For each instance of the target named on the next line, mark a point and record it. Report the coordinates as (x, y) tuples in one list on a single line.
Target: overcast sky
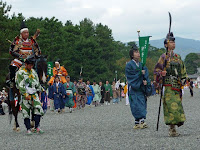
[(124, 17)]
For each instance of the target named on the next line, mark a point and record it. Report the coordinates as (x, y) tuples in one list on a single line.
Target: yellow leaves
[(34, 97), (31, 76), (25, 70), (25, 94)]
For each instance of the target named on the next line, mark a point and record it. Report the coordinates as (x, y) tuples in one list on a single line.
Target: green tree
[(6, 26), (86, 45), (191, 63)]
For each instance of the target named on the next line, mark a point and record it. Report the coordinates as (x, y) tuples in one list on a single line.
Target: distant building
[(196, 77)]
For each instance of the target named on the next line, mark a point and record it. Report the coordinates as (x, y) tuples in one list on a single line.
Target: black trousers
[(1, 110), (191, 91), (107, 97), (13, 70), (102, 99)]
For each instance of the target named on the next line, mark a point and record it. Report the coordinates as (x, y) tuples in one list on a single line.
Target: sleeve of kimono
[(63, 90), (13, 52), (148, 87), (64, 71), (50, 89), (54, 71), (86, 89), (73, 88), (53, 89), (104, 87), (19, 79), (99, 91), (183, 71), (92, 91), (111, 92), (125, 89), (146, 76), (134, 78), (159, 68), (65, 86)]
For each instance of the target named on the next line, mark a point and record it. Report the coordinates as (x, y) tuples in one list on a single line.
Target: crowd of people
[(64, 93)]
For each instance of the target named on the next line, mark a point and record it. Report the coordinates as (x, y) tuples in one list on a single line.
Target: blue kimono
[(90, 94), (59, 101), (136, 89), (44, 101), (50, 92)]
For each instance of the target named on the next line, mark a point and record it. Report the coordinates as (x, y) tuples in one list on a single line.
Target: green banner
[(50, 68), (144, 46)]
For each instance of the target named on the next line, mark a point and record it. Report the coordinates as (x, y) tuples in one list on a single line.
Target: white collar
[(27, 40), (137, 63)]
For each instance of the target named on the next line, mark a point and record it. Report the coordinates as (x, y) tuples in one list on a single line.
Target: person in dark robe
[(191, 87), (59, 94), (102, 92), (138, 78)]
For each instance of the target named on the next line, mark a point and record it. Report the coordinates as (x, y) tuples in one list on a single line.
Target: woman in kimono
[(82, 90), (70, 90), (115, 92), (97, 93)]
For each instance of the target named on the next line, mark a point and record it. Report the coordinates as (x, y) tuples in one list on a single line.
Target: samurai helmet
[(23, 27), (170, 35)]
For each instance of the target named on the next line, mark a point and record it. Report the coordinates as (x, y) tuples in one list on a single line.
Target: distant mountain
[(183, 46)]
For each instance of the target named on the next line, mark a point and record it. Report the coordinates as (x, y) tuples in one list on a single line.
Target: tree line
[(86, 45)]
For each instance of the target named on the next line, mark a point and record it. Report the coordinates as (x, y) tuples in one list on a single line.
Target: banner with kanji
[(50, 69), (144, 46)]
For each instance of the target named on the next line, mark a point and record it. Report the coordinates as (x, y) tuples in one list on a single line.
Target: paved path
[(106, 127)]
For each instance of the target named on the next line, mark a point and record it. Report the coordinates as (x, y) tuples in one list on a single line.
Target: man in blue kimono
[(90, 94), (137, 77), (59, 94)]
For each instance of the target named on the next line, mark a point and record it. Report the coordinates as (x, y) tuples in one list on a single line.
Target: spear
[(163, 78)]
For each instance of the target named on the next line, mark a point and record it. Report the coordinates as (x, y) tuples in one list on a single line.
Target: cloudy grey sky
[(124, 17)]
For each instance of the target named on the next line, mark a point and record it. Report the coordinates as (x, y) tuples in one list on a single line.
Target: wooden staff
[(163, 78)]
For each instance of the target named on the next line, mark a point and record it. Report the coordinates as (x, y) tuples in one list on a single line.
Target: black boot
[(1, 110)]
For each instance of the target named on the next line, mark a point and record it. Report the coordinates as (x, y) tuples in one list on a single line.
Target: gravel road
[(106, 127)]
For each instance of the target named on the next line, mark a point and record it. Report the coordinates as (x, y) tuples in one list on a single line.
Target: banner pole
[(138, 31)]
